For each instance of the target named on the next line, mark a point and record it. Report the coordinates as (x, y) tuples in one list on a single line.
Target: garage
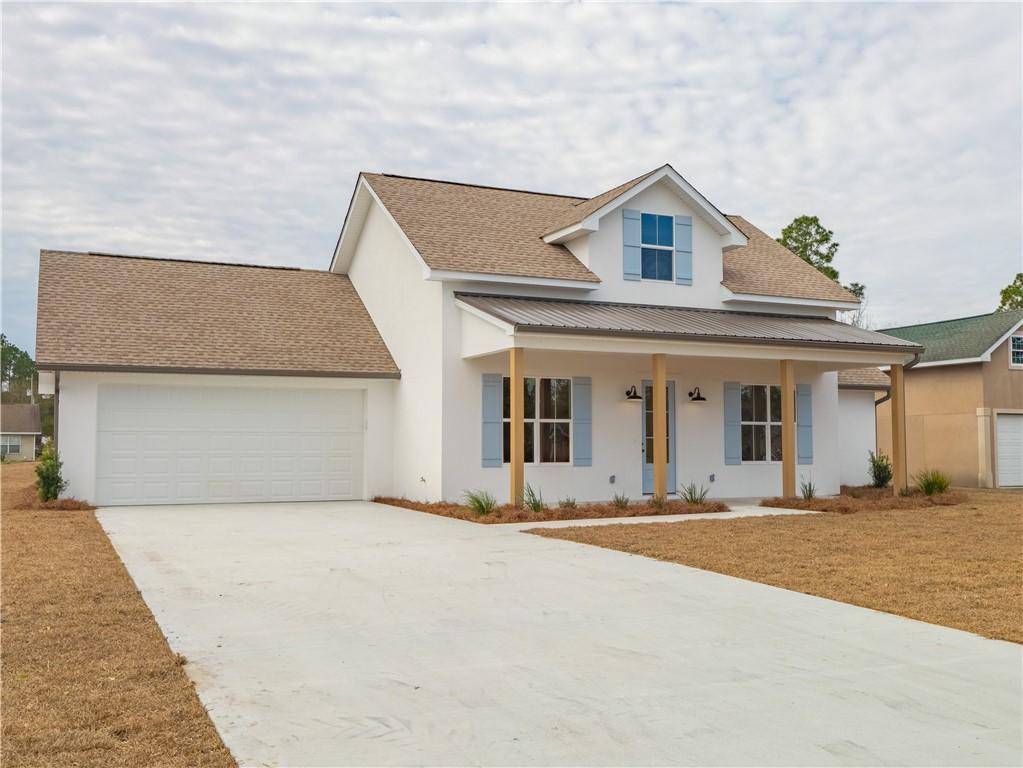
[(195, 444), (1009, 427)]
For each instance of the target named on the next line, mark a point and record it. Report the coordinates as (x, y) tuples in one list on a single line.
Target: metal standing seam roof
[(682, 323)]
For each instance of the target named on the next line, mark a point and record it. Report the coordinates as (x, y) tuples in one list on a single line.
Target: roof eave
[(116, 368), (761, 298)]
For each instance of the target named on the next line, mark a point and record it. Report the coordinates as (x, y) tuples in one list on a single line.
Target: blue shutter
[(804, 424), (733, 426), (631, 262), (493, 430), (582, 421), (683, 250)]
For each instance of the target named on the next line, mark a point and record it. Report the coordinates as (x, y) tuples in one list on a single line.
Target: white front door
[(1009, 427), (195, 444)]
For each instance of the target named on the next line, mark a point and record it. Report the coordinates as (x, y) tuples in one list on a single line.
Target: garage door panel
[(158, 444), (1009, 427)]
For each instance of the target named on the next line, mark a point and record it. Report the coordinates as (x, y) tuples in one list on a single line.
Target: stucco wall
[(79, 403), (1003, 386), (856, 435)]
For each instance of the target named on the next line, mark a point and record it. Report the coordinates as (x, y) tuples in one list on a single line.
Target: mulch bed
[(508, 513), (87, 677), (865, 498)]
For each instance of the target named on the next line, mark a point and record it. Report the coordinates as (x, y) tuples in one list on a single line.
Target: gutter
[(906, 367)]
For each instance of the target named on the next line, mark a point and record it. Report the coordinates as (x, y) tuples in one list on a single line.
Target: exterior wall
[(407, 312), (1003, 385), (856, 435), (941, 421), (28, 446), (617, 430), (79, 399)]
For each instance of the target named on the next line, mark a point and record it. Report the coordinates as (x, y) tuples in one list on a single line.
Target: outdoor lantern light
[(631, 395), (696, 397)]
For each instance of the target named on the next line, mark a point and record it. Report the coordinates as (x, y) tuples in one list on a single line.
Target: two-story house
[(463, 337)]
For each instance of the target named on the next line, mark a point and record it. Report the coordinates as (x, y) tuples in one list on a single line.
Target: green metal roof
[(959, 339)]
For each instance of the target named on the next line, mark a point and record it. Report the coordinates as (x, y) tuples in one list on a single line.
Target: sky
[(236, 132)]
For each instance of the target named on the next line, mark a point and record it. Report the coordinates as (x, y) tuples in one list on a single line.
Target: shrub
[(480, 502), (807, 489), (658, 502), (567, 503), (690, 494), (620, 500), (880, 469), (931, 481), (50, 484), (533, 500)]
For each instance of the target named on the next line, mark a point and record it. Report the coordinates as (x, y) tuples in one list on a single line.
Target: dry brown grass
[(959, 565), (862, 498), (506, 513), (87, 677)]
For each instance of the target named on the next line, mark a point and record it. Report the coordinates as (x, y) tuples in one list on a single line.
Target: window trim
[(537, 421), (1011, 338), (7, 443), (669, 248), (766, 424)]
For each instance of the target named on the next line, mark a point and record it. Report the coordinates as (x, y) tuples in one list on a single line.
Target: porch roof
[(643, 321)]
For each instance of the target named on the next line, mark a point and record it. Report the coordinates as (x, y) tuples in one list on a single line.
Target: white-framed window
[(10, 444), (657, 247), (1016, 351), (760, 421), (547, 407)]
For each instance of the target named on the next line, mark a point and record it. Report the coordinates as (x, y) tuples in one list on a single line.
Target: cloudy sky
[(235, 133)]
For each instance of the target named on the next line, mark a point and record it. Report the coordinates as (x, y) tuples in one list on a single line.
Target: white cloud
[(235, 132)]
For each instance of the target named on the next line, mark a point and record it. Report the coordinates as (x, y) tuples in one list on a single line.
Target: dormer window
[(657, 247)]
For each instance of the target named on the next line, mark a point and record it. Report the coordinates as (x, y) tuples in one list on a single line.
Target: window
[(761, 422), (10, 444), (1016, 351), (547, 408), (648, 420), (657, 247)]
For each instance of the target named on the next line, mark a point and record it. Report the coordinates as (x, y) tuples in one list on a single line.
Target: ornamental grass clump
[(532, 500), (567, 503), (690, 494), (930, 482), (807, 489), (620, 501), (480, 502)]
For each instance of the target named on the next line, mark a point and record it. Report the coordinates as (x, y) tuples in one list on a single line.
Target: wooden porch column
[(900, 473), (788, 429), (516, 468), (660, 387)]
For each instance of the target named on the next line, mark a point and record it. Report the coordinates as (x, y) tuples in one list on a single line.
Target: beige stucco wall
[(1003, 386)]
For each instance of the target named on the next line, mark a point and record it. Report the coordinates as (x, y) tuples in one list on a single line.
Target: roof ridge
[(479, 186), (183, 261), (950, 320)]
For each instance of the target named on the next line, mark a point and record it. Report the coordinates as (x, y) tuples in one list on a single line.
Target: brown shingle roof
[(584, 208), (863, 378), (765, 267), (19, 419), (128, 312), (465, 228)]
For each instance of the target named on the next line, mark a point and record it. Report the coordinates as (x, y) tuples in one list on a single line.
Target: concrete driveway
[(357, 634)]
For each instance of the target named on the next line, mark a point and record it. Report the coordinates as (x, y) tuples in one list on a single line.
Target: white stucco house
[(462, 337)]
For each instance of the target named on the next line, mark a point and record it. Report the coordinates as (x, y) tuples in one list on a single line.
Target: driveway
[(351, 633)]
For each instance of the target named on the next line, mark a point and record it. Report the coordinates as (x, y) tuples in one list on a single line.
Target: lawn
[(959, 565), (87, 677)]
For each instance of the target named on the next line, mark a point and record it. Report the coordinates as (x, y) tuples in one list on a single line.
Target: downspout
[(906, 367), (56, 407)]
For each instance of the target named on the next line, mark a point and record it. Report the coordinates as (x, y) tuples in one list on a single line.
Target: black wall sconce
[(696, 397), (631, 395)]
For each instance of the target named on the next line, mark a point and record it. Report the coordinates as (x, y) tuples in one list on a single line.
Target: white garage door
[(184, 445), (1010, 449)]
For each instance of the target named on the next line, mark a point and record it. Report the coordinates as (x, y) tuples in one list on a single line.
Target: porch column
[(900, 472), (516, 467), (788, 429), (660, 405)]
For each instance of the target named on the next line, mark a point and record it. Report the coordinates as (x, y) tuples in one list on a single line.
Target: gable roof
[(493, 231), (20, 419), (863, 378), (107, 312), (964, 338)]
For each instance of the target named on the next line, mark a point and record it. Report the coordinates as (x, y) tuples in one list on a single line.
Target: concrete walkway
[(734, 510), (359, 634)]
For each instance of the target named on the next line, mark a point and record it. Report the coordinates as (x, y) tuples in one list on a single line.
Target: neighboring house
[(964, 400), (858, 391), (464, 337), (19, 430)]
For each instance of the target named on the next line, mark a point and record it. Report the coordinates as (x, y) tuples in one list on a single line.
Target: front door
[(648, 440)]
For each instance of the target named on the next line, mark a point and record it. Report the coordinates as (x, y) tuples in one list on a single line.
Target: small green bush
[(50, 485), (690, 494), (807, 489), (658, 502), (931, 481), (880, 469), (567, 503), (533, 500), (480, 502), (620, 501)]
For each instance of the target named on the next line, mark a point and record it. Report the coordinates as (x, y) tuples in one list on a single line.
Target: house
[(462, 337), (859, 390), (964, 400), (19, 431)]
